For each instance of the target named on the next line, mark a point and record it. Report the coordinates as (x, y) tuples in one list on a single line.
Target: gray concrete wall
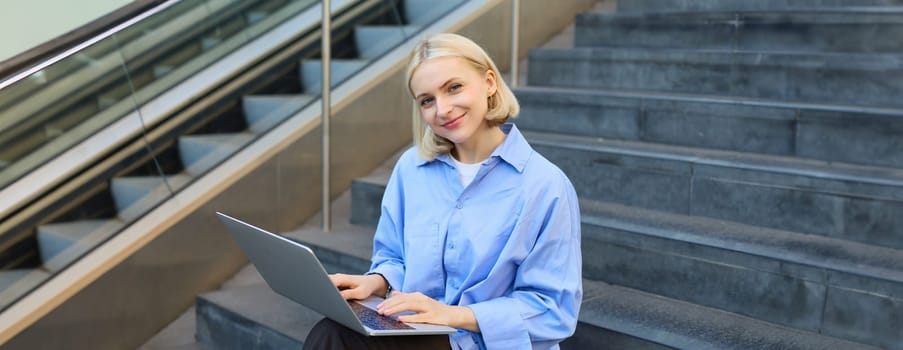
[(135, 299)]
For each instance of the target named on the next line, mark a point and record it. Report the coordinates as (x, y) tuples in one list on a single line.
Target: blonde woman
[(477, 231)]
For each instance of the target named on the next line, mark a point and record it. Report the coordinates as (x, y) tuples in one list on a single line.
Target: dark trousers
[(330, 335)]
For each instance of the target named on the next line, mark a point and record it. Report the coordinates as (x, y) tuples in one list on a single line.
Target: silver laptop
[(293, 271)]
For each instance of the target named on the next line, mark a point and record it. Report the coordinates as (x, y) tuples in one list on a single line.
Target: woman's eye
[(454, 87), (426, 101)]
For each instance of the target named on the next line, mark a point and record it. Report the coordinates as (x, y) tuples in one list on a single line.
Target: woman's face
[(453, 97)]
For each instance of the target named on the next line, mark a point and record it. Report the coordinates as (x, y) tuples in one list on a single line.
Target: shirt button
[(459, 205)]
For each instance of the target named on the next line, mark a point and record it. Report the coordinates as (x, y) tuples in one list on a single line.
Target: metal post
[(515, 27), (325, 59)]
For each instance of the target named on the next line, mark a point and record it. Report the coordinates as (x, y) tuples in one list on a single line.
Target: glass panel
[(59, 106), (70, 100), (93, 92), (227, 25), (39, 110), (37, 248)]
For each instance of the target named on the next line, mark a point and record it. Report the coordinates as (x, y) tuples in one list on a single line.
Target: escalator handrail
[(85, 44)]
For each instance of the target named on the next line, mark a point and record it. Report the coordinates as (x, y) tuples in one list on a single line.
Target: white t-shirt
[(466, 172)]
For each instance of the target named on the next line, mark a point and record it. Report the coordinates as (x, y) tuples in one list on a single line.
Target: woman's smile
[(451, 124)]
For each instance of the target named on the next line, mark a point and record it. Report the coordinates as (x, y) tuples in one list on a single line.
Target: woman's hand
[(359, 287), (428, 310)]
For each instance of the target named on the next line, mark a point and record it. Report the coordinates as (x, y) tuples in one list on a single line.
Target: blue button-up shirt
[(507, 246)]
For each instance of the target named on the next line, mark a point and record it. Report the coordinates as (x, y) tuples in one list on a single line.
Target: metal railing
[(515, 34), (325, 57)]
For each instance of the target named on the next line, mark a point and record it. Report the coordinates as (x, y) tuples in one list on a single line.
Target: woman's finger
[(341, 281), (354, 294), (401, 302), (415, 318)]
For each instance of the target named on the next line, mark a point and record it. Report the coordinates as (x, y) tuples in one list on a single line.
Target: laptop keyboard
[(374, 320)]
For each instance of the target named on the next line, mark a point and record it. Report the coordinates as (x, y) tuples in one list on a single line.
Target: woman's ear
[(491, 83)]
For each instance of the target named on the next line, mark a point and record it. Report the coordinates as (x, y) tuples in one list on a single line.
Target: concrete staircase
[(734, 194), (734, 189)]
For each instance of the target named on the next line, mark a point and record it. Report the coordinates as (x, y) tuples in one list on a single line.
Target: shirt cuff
[(393, 275), (501, 324)]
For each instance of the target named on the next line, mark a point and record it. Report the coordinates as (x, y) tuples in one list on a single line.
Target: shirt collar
[(514, 150)]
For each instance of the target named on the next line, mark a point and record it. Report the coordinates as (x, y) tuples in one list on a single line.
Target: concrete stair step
[(854, 203), (201, 152), (311, 72), (374, 41), (262, 112), (348, 245), (64, 242), (741, 5), (848, 202), (617, 315), (822, 285), (349, 253), (135, 195), (868, 136), (367, 193), (854, 30), (252, 317), (837, 78)]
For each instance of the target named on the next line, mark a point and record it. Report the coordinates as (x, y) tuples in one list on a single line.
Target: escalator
[(93, 142)]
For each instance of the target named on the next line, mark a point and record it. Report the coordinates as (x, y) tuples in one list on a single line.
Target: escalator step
[(425, 12), (311, 77), (61, 243), (208, 43), (262, 112), (374, 41), (256, 16), (136, 195), (201, 152), (160, 71)]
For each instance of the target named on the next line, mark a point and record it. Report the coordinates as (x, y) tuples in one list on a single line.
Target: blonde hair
[(502, 104)]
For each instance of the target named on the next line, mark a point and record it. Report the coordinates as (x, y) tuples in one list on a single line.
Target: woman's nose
[(443, 107)]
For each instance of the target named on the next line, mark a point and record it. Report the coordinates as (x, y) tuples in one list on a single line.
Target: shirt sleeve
[(548, 287), (388, 243)]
